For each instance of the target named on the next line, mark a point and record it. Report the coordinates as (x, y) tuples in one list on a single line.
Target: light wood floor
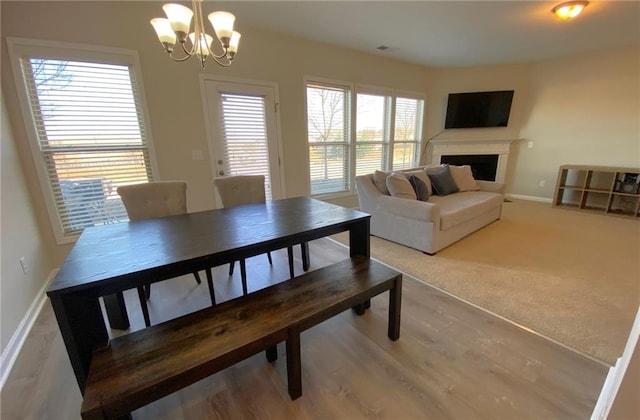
[(452, 360)]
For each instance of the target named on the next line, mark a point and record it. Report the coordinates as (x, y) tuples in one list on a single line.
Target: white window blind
[(372, 132), (407, 135), (245, 136), (91, 135), (328, 110)]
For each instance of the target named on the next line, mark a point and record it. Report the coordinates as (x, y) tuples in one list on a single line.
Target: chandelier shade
[(176, 27)]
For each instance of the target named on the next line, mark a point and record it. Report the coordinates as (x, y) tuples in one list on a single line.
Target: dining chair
[(152, 200), (237, 190)]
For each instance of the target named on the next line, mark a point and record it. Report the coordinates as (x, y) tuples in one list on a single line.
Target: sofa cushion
[(380, 181), (442, 182), (421, 174), (399, 186), (463, 206), (419, 186), (463, 178)]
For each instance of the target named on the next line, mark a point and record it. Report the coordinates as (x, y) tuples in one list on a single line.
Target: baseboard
[(530, 198), (616, 374), (11, 352)]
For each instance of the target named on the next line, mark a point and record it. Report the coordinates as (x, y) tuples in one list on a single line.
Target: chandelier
[(178, 24)]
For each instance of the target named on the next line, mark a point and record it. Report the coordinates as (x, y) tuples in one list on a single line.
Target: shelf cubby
[(601, 189)]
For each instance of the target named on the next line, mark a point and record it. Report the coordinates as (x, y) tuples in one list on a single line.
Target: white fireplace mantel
[(454, 147)]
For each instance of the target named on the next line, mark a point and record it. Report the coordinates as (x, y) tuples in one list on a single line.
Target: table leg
[(116, 311), (359, 244), (304, 250), (359, 241), (272, 353), (395, 304), (82, 326)]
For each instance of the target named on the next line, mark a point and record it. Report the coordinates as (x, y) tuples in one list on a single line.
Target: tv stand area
[(602, 189)]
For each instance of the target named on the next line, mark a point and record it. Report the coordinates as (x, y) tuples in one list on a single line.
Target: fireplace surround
[(458, 152)]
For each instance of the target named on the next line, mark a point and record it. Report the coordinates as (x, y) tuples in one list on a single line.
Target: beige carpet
[(572, 276)]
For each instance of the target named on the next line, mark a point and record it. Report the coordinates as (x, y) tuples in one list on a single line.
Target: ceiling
[(446, 33)]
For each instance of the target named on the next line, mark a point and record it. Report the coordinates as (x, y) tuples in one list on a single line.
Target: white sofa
[(431, 225)]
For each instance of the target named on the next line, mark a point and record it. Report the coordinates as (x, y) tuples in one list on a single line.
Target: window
[(373, 114), (387, 133), (328, 136), (407, 132), (88, 130)]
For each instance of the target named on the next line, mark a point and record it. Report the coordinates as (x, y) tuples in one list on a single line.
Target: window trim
[(21, 47)]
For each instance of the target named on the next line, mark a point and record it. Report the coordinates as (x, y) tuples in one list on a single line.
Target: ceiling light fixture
[(177, 26), (570, 9)]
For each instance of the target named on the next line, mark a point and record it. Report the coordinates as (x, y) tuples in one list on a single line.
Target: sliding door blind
[(328, 138), (91, 136), (244, 127)]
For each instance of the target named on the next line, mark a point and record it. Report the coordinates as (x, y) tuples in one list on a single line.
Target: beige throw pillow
[(380, 181), (463, 177), (399, 186)]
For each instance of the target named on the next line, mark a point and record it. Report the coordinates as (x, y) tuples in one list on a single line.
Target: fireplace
[(492, 152), (483, 167)]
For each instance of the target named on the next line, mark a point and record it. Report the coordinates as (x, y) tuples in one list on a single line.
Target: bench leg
[(272, 353), (294, 365), (395, 303)]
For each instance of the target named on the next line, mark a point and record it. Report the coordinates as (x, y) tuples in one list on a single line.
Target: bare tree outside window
[(327, 138)]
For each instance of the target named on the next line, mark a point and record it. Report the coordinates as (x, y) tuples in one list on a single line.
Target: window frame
[(349, 119), (355, 88), (22, 47), (388, 123), (405, 94)]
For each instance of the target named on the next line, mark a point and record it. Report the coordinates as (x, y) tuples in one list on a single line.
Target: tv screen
[(478, 109)]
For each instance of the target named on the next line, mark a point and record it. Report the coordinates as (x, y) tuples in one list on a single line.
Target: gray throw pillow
[(422, 192), (442, 182)]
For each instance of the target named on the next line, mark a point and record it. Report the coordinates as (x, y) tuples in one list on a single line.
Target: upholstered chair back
[(240, 189), (154, 199)]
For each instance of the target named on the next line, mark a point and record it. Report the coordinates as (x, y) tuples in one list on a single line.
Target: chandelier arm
[(187, 52), (180, 59), (222, 63)]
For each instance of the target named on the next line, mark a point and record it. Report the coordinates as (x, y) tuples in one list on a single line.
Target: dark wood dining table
[(108, 259)]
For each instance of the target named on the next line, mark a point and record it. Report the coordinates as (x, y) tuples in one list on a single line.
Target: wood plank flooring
[(452, 361)]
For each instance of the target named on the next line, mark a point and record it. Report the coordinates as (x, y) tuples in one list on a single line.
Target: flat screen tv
[(478, 109)]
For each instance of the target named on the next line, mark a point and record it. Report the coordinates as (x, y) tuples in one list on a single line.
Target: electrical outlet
[(197, 155), (542, 183), (23, 264)]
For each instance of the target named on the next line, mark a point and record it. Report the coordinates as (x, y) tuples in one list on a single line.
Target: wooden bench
[(139, 368)]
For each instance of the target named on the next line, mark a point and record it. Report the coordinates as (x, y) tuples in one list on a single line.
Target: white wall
[(20, 238), (582, 109)]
